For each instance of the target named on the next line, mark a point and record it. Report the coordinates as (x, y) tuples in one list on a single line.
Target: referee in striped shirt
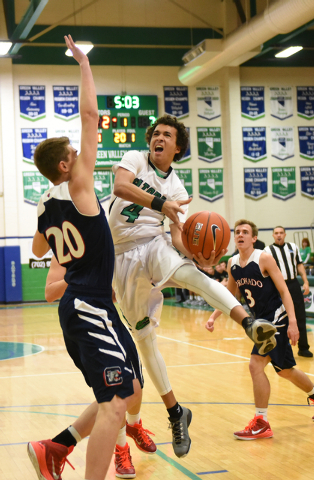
[(288, 259)]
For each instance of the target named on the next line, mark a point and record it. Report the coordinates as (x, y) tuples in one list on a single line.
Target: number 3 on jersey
[(61, 236), (132, 212), (250, 299)]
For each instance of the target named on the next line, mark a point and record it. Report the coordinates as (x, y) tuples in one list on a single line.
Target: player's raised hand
[(79, 56), (172, 208)]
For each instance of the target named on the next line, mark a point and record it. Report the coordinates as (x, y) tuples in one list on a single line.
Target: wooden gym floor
[(42, 393)]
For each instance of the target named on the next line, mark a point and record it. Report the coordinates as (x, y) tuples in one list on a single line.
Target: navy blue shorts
[(99, 344), (281, 356)]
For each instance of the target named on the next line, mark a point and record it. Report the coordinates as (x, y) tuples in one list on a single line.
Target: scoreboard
[(123, 120)]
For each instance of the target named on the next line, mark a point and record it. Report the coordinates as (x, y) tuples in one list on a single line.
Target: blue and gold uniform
[(264, 301), (96, 339)]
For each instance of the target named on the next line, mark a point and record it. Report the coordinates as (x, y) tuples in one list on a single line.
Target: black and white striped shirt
[(287, 257)]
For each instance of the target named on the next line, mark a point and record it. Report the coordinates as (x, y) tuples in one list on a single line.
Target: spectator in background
[(288, 259), (305, 251), (220, 274)]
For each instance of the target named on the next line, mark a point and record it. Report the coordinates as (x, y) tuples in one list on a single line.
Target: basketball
[(204, 232)]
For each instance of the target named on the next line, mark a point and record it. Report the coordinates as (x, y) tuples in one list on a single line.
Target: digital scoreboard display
[(123, 120)]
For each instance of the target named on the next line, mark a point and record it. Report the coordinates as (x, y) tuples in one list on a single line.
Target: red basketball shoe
[(123, 462), (48, 458), (257, 428), (141, 438)]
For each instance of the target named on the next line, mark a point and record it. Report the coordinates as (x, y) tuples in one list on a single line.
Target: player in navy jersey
[(262, 285), (72, 223)]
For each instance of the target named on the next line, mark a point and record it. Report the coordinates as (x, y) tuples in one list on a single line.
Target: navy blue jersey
[(81, 243), (259, 292)]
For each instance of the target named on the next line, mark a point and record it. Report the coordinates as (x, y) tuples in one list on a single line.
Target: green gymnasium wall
[(33, 283)]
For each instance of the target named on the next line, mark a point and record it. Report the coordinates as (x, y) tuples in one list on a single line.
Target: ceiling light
[(288, 52), (84, 46), (4, 47)]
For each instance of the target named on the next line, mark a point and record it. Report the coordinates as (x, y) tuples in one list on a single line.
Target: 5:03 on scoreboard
[(123, 120)]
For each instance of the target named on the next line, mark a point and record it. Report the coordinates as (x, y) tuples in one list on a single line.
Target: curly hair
[(182, 133), (49, 154)]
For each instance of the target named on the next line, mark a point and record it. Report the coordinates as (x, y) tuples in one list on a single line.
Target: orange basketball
[(204, 232)]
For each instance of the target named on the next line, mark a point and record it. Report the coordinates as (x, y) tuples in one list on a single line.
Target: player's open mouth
[(159, 148)]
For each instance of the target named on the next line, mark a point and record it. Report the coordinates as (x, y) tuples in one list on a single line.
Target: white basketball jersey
[(133, 223)]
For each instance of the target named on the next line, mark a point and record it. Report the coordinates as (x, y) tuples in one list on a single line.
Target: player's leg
[(103, 437), (180, 417), (258, 427), (298, 302), (298, 378), (260, 331)]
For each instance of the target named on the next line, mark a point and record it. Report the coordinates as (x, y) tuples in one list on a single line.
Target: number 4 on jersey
[(132, 212)]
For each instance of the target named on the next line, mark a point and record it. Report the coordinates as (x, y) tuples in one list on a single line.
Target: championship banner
[(34, 185), (284, 186), (185, 175), (306, 142), (31, 137), (209, 144), (187, 155), (282, 142), (73, 134), (281, 104), (252, 102), (254, 143), (66, 102), (177, 101), (32, 102), (305, 102), (103, 184), (255, 183), (307, 181), (210, 183), (208, 102)]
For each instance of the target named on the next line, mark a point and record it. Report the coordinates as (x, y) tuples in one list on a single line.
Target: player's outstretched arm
[(269, 266), (55, 283), (85, 163), (232, 287)]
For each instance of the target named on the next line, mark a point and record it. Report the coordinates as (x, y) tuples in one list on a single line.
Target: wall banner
[(31, 137), (307, 181), (209, 144), (210, 183), (187, 155), (185, 175), (252, 102), (103, 184), (66, 102), (73, 134), (34, 185), (283, 180), (255, 183), (282, 142), (32, 102), (281, 103), (254, 143), (208, 102), (305, 102), (306, 142), (177, 101)]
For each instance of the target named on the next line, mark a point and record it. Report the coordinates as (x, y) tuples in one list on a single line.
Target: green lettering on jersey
[(142, 323), (137, 182), (145, 186), (151, 190), (132, 212)]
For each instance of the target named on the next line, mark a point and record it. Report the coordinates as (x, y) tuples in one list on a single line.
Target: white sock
[(132, 419), (75, 433), (261, 411), (121, 440), (311, 392)]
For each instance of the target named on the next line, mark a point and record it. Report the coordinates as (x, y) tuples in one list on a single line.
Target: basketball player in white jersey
[(146, 189)]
